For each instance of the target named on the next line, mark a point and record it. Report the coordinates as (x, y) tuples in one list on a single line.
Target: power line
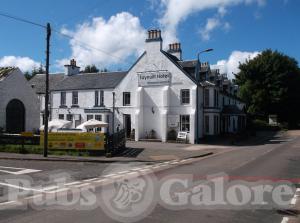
[(21, 19), (88, 46)]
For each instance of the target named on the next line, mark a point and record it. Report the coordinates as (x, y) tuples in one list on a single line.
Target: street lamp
[(197, 70)]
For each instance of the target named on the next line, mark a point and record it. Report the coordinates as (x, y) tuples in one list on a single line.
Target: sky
[(111, 34)]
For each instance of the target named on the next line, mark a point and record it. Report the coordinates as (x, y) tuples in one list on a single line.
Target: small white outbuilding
[(19, 105)]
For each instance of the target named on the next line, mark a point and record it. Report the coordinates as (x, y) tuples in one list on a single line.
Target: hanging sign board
[(150, 78)]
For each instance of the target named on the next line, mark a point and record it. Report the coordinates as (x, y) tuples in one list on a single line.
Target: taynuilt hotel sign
[(150, 78)]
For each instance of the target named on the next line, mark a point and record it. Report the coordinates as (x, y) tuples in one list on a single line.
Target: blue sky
[(236, 29)]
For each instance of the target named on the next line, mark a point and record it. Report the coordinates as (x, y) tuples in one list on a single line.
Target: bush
[(172, 135), (259, 124)]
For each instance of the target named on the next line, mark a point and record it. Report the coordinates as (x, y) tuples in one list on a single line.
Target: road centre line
[(92, 179), (82, 185), (72, 183)]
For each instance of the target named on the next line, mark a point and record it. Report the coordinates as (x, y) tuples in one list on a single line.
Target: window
[(223, 100), (101, 98), (61, 116), (96, 98), (185, 123), (206, 123), (185, 96), (98, 117), (216, 98), (62, 98), (126, 98), (75, 98), (69, 117), (89, 117), (206, 97), (216, 124)]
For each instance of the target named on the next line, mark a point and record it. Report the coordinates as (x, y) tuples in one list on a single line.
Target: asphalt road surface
[(270, 162)]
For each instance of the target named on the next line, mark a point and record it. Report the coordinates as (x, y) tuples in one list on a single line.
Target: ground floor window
[(185, 123), (216, 124), (69, 117), (89, 117), (61, 116), (98, 117), (206, 123)]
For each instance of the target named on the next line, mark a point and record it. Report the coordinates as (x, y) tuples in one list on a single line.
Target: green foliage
[(270, 84), (40, 70), (91, 69)]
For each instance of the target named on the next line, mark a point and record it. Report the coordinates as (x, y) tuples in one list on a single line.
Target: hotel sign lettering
[(150, 78)]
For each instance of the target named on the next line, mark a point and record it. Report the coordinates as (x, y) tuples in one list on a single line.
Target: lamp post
[(197, 70)]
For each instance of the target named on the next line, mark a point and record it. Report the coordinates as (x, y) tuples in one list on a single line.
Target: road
[(275, 160)]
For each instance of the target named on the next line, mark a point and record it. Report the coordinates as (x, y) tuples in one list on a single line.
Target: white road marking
[(82, 185), (100, 181), (298, 190), (8, 203), (285, 220), (22, 188), (32, 197), (72, 183), (123, 172), (50, 188), (17, 171), (110, 175), (59, 190), (92, 179), (294, 200)]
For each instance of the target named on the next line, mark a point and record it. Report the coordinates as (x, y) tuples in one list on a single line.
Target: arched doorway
[(15, 116)]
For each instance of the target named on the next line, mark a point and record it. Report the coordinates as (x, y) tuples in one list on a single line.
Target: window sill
[(74, 106), (63, 106)]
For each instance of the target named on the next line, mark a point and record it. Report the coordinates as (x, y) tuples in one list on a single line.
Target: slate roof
[(39, 85), (5, 71), (80, 81), (233, 110), (83, 81), (188, 63)]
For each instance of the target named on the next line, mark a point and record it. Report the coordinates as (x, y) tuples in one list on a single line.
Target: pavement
[(143, 151)]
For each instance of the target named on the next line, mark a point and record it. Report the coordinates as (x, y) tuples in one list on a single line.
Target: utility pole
[(113, 115), (47, 92)]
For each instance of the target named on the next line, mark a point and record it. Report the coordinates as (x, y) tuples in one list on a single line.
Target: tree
[(270, 84), (91, 69), (28, 75)]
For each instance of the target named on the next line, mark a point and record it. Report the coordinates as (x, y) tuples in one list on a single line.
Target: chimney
[(175, 50), (153, 41), (72, 68)]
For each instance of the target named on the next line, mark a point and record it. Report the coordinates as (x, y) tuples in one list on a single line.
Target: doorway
[(15, 116), (127, 125)]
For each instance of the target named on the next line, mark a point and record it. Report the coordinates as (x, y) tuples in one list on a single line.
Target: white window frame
[(185, 96), (184, 121), (124, 98), (74, 97), (63, 97)]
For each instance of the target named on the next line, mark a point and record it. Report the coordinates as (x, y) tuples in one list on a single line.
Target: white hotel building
[(159, 94)]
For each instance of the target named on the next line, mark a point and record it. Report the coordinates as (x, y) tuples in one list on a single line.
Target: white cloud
[(112, 41), (230, 66), (24, 63), (211, 24), (176, 11)]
